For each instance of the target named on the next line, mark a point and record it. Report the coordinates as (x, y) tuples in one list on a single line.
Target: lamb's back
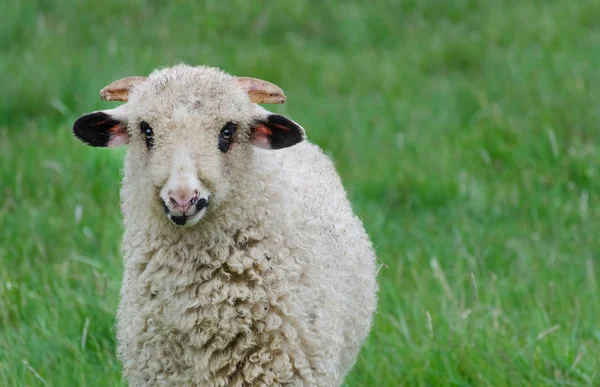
[(341, 267)]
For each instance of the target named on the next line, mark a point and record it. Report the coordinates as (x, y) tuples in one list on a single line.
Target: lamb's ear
[(106, 128), (273, 131)]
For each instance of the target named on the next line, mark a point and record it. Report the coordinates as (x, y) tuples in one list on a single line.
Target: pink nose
[(182, 200)]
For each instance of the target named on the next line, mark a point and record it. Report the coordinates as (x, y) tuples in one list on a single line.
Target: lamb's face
[(190, 133)]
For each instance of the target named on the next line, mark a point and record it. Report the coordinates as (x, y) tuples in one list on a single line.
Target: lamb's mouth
[(190, 217)]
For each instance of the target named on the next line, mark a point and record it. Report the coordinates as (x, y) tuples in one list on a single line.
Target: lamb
[(244, 263)]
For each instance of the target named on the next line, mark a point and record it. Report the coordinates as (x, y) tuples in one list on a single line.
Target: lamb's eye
[(226, 136), (148, 134), (227, 131)]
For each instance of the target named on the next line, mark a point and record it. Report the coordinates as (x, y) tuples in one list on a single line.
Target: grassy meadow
[(466, 133)]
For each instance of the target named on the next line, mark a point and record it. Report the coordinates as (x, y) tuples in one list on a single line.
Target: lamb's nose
[(182, 200)]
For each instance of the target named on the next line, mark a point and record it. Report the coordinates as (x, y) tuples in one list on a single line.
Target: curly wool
[(276, 285)]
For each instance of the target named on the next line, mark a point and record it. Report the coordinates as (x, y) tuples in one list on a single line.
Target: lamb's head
[(189, 132)]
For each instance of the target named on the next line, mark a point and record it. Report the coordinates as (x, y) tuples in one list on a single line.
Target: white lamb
[(243, 266)]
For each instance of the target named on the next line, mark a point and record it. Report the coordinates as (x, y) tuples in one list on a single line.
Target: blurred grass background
[(466, 133)]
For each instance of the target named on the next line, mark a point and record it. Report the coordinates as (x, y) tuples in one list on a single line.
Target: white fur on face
[(184, 186)]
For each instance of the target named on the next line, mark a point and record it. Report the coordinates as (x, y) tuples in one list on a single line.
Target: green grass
[(466, 132)]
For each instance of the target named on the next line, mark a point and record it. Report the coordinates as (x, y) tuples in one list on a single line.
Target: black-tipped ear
[(276, 132), (101, 129)]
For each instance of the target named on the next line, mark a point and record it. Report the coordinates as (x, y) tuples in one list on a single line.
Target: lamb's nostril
[(182, 201)]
